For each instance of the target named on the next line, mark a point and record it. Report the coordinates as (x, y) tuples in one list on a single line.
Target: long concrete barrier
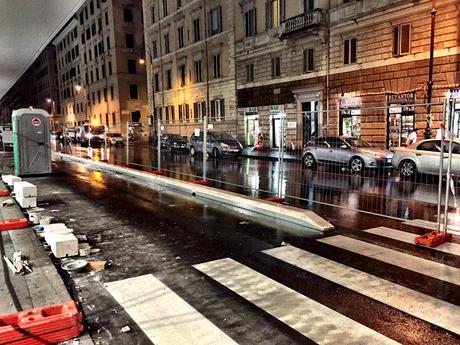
[(288, 214)]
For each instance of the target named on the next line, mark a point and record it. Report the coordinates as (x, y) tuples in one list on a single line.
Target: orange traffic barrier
[(277, 200), (4, 192)]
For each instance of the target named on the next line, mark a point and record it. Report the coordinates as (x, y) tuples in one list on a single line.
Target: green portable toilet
[(31, 142)]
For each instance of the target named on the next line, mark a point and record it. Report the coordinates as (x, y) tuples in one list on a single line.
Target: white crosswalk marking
[(451, 248), (430, 309), (390, 256), (310, 318), (164, 317)]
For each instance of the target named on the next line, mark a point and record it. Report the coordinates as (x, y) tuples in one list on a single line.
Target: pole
[(205, 145), (429, 118), (449, 165), (127, 143), (441, 168), (159, 143), (281, 158)]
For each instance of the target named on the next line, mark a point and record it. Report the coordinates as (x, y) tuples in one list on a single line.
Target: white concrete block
[(11, 179), (63, 245), (24, 189), (27, 202), (57, 228)]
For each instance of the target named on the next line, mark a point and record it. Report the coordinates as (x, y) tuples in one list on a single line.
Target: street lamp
[(53, 111)]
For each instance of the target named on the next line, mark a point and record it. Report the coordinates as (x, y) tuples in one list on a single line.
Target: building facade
[(190, 64), (329, 69), (37, 87), (100, 78)]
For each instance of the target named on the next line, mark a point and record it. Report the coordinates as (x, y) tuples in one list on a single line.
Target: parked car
[(115, 139), (218, 144), (174, 142), (351, 152), (91, 134), (424, 158)]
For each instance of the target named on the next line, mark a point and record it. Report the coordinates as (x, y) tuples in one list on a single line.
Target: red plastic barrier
[(201, 182), (277, 200), (433, 239), (52, 323), (155, 172), (4, 192), (11, 224)]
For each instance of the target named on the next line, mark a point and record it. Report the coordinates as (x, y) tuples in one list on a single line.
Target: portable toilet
[(31, 142)]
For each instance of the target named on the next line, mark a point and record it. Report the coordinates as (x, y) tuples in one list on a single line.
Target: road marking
[(426, 224), (451, 248), (430, 309), (310, 318), (164, 317), (393, 257)]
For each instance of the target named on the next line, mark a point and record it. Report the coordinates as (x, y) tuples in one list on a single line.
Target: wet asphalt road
[(146, 231), (379, 192)]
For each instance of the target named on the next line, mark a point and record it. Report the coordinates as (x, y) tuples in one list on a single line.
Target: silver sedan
[(424, 158)]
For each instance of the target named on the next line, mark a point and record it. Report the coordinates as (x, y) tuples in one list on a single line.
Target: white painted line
[(308, 317), (451, 248), (430, 309), (390, 256), (164, 317)]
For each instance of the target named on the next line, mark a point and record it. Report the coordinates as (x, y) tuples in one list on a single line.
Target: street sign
[(292, 124), (197, 132), (210, 126)]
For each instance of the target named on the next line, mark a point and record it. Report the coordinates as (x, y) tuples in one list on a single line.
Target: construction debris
[(19, 265), (97, 265), (126, 329)]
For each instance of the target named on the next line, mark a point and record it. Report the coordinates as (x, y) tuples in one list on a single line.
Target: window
[(214, 21), (86, 13), (166, 41), (179, 3), (106, 18), (131, 66), (196, 30), (216, 66), (128, 15), (168, 79), (157, 82), (165, 8), (154, 49), (90, 52), (83, 38), (198, 74), (110, 67), (152, 14), (274, 13), (129, 38), (217, 109), (308, 60), (182, 75), (184, 113), (180, 36), (108, 42), (97, 73), (81, 18), (114, 119), (88, 34), (250, 72), (105, 95), (349, 51), (92, 76), (133, 91), (308, 5), (112, 96), (98, 96), (91, 8), (199, 110), (250, 23), (276, 67), (93, 29), (401, 39), (95, 51)]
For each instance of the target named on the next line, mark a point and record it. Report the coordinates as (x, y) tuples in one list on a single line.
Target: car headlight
[(90, 136), (224, 146)]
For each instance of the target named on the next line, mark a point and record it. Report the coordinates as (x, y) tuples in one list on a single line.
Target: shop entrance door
[(401, 122), (252, 129), (309, 120), (276, 132)]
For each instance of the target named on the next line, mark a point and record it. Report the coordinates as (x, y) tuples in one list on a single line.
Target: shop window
[(350, 122), (349, 51), (401, 39)]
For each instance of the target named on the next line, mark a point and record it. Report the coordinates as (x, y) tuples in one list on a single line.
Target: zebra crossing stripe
[(310, 318), (164, 317), (450, 248), (427, 308), (390, 256)]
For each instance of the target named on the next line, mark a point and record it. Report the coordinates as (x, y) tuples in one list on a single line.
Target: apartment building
[(100, 78), (190, 64), (300, 58), (37, 87)]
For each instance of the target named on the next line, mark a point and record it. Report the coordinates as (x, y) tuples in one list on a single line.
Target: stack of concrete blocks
[(25, 194), (62, 241), (11, 179)]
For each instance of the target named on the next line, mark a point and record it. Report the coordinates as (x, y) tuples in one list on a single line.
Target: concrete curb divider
[(289, 214)]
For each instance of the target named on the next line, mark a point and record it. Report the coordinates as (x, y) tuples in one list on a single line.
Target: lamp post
[(429, 117), (142, 61)]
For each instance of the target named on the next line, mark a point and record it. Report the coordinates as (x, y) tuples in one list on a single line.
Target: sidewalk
[(273, 154)]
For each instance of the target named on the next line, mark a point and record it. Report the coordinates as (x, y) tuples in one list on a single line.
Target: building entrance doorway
[(309, 120)]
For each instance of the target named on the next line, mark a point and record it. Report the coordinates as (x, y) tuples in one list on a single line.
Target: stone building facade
[(303, 57), (100, 78), (190, 64)]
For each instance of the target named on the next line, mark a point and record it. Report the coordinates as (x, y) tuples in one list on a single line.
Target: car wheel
[(309, 161), (215, 153), (192, 151), (357, 165), (407, 169)]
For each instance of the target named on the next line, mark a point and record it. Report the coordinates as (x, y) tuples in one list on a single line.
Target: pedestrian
[(412, 137)]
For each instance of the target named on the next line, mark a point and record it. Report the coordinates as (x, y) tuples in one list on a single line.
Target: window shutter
[(203, 109), (219, 16), (311, 60), (353, 54), (346, 52), (396, 41), (255, 21), (187, 112), (405, 38), (267, 15), (282, 10), (209, 24), (222, 109)]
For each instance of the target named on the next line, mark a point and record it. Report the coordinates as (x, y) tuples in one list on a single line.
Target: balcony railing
[(301, 22)]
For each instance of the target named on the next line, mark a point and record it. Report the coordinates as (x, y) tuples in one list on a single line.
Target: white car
[(424, 158), (115, 139)]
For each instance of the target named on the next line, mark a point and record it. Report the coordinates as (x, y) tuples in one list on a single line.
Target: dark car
[(173, 142), (218, 144)]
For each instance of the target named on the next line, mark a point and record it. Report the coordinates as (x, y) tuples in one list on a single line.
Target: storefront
[(276, 116), (252, 130), (350, 116), (309, 120), (400, 118)]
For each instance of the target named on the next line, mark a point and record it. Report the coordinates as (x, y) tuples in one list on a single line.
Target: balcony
[(303, 22)]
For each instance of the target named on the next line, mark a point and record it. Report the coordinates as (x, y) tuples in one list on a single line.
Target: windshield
[(97, 129), (222, 136), (356, 142)]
